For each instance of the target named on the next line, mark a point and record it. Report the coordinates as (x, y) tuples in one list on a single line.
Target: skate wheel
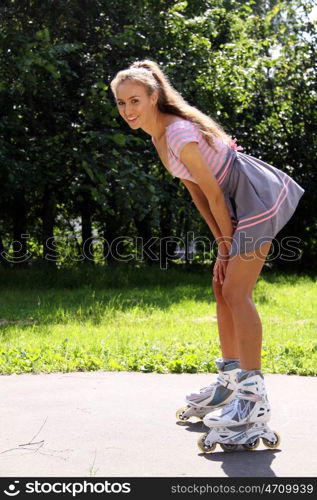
[(272, 445), (228, 448), (204, 447), (180, 414), (253, 445)]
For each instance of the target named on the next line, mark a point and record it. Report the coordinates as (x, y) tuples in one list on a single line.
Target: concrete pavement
[(112, 424)]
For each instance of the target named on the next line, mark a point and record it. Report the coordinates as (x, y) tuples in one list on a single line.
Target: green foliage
[(65, 155)]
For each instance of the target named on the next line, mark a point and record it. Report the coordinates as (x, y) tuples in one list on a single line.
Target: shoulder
[(180, 132)]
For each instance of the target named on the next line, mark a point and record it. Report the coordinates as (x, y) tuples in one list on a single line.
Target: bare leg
[(241, 276), (228, 340)]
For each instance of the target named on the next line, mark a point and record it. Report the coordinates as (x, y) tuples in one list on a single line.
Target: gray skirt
[(261, 199)]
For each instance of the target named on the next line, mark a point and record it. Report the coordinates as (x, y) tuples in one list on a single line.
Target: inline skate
[(243, 421), (214, 395)]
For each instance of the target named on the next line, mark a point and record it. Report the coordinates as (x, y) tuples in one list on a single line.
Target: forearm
[(203, 207), (215, 212), (223, 220)]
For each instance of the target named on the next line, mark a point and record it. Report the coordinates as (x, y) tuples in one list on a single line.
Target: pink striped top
[(182, 132)]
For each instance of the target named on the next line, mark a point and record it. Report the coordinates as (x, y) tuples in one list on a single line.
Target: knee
[(234, 295)]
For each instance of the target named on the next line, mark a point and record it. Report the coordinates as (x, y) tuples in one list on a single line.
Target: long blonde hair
[(169, 100)]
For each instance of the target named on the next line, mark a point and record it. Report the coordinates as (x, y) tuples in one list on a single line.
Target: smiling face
[(134, 103)]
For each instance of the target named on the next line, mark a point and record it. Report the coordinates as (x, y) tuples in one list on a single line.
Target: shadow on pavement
[(193, 426), (242, 463), (245, 463)]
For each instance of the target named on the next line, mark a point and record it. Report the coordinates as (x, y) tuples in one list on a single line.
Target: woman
[(245, 203)]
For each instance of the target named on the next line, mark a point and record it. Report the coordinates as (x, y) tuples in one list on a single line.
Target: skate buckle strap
[(220, 381), (223, 380), (249, 396), (204, 389)]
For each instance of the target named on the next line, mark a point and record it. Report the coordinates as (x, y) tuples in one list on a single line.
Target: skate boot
[(213, 396), (244, 420)]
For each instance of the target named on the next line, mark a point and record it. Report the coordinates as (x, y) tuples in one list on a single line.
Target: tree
[(66, 156)]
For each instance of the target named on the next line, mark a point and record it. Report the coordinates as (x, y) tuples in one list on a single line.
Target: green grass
[(123, 318)]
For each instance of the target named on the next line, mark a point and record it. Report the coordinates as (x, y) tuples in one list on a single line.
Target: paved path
[(106, 424)]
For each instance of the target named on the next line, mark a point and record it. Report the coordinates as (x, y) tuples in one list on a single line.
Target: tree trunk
[(167, 245), (111, 233), (20, 255), (48, 219), (145, 232), (86, 229), (3, 260)]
